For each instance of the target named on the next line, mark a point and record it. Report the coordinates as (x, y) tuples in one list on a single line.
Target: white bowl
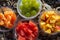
[(19, 11)]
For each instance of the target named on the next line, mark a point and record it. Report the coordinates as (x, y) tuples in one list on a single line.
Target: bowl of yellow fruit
[(29, 9), (49, 22)]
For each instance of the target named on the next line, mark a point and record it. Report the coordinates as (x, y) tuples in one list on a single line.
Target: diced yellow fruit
[(53, 17), (47, 15), (48, 25), (52, 21), (57, 17), (43, 17), (48, 31), (44, 28), (42, 23)]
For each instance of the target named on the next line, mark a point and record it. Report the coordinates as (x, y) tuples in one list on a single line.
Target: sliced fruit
[(32, 24), (21, 38), (58, 27), (48, 31), (27, 30)]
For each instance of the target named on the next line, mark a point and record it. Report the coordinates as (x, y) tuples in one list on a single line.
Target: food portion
[(26, 30), (50, 22), (8, 18), (29, 8)]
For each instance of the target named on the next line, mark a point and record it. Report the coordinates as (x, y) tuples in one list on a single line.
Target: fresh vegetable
[(49, 22), (29, 7), (27, 30), (8, 18)]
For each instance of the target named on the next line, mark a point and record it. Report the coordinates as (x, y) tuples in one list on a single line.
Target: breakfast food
[(49, 22), (26, 30)]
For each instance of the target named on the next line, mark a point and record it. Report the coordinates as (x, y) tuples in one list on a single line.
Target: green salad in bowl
[(29, 9)]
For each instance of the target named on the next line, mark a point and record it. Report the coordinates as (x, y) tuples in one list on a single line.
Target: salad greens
[(29, 7)]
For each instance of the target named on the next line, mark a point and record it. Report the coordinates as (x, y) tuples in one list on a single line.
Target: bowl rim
[(28, 18)]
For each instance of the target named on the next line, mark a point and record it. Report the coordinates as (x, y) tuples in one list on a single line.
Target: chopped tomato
[(32, 24), (21, 38), (27, 30), (22, 33)]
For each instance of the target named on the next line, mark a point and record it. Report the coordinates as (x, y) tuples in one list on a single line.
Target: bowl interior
[(2, 28), (23, 20), (19, 11), (40, 25)]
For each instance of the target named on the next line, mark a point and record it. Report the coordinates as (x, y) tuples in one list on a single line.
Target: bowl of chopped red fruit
[(26, 29)]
